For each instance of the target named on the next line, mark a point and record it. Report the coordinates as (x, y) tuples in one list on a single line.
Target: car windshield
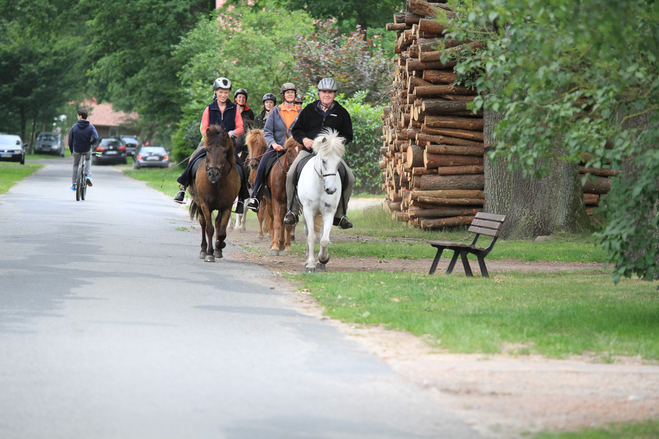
[(153, 150), (109, 142), (130, 139), (48, 137), (10, 141)]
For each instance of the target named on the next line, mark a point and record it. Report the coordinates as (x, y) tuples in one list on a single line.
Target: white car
[(12, 148)]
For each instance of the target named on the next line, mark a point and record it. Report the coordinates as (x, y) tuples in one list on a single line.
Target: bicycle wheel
[(83, 183), (79, 182)]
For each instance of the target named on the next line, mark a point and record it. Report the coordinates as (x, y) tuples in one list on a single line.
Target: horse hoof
[(287, 253), (202, 255), (320, 266), (218, 254), (274, 252), (325, 261), (309, 269), (242, 230), (209, 258), (292, 237)]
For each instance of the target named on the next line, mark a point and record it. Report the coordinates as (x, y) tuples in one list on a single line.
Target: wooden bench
[(487, 224)]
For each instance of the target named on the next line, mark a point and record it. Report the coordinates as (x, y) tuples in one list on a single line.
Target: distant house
[(109, 122)]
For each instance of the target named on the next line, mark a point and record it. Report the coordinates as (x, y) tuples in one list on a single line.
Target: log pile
[(433, 147), (432, 154)]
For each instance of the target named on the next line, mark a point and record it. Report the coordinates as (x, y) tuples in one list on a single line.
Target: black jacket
[(82, 136), (259, 120), (311, 121)]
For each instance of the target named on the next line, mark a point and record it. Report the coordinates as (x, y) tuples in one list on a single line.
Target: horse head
[(219, 152), (257, 146), (292, 148), (329, 148)]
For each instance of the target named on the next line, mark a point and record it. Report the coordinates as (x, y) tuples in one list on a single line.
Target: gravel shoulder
[(501, 396)]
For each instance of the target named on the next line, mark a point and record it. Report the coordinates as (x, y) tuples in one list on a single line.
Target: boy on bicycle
[(81, 138)]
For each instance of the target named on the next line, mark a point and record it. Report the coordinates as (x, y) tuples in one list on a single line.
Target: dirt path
[(502, 396)]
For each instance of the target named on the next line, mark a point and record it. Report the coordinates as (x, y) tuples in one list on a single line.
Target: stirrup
[(343, 222), (290, 219), (253, 204), (178, 198)]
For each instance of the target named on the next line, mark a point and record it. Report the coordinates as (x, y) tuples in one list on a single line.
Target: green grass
[(641, 430), (154, 177), (11, 173), (553, 314)]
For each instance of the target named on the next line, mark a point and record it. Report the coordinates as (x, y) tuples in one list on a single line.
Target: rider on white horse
[(321, 114)]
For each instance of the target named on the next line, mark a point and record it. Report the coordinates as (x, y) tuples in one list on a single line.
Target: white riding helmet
[(327, 84), (222, 83)]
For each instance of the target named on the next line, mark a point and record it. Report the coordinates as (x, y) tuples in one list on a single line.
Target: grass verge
[(12, 173), (157, 177), (642, 430), (552, 314)]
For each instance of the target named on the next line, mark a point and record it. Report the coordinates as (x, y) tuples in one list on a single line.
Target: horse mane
[(218, 137), (329, 142), (255, 143), (291, 143)]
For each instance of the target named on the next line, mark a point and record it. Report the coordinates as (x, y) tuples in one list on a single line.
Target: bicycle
[(81, 181)]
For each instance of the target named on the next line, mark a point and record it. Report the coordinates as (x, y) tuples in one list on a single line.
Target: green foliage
[(11, 173), (642, 430), (353, 61), (252, 47), (582, 74), (554, 315)]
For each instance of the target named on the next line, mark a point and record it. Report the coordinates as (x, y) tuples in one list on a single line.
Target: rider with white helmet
[(277, 127), (321, 114), (220, 112)]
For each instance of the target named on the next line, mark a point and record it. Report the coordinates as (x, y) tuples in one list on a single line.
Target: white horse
[(237, 223), (319, 191)]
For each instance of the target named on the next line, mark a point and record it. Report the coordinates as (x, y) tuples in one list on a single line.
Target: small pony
[(214, 189), (319, 191)]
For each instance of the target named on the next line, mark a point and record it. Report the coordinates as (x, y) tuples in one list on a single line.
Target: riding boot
[(343, 222), (178, 198)]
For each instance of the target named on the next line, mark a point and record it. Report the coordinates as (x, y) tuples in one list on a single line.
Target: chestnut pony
[(256, 146), (214, 189)]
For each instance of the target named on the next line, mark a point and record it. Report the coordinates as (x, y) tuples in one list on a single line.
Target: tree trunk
[(533, 207)]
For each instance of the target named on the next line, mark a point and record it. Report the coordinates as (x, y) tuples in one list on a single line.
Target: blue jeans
[(258, 183)]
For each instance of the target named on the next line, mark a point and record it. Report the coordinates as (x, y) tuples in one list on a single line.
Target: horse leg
[(287, 243), (309, 265), (275, 228), (280, 208), (242, 222), (260, 214), (221, 225), (210, 231), (323, 254), (202, 224)]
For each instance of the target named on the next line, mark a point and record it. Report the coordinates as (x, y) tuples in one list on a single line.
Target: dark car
[(49, 143), (131, 144), (109, 150), (151, 157), (12, 148)]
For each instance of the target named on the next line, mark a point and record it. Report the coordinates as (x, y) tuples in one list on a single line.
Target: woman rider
[(221, 112), (277, 126), (246, 113), (269, 102), (323, 113)]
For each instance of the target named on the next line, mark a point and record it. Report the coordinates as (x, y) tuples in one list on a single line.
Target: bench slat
[(490, 216), (482, 231), (495, 225), (453, 245)]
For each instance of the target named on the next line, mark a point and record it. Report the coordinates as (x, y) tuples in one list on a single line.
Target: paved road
[(110, 327)]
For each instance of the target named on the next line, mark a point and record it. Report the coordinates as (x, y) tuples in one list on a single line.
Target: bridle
[(321, 176), (218, 169), (287, 162)]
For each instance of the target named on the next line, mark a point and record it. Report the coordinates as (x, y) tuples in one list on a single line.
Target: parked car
[(49, 143), (131, 144), (151, 157), (12, 148), (109, 150)]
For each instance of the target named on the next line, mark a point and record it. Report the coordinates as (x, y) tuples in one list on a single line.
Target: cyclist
[(323, 113), (81, 138), (220, 112), (277, 127)]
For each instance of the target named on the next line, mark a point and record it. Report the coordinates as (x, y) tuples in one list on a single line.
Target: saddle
[(303, 162), (194, 166), (268, 167)]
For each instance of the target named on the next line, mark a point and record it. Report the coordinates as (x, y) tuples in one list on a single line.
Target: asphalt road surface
[(111, 327)]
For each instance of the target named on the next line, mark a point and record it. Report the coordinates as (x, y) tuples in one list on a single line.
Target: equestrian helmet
[(299, 99), (270, 97), (222, 83), (240, 91), (327, 84), (287, 86)]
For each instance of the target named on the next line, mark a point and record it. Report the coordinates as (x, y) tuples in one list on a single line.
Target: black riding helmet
[(269, 97), (240, 91)]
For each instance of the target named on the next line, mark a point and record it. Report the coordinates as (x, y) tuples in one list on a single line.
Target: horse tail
[(267, 217), (194, 210)]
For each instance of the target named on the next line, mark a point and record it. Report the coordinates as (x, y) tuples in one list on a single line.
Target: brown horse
[(257, 147), (275, 205), (214, 189)]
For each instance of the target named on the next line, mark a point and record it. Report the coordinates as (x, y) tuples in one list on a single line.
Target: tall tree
[(567, 78)]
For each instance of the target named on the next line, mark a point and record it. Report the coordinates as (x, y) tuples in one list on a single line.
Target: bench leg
[(465, 262), (435, 261), (481, 262), (451, 264)]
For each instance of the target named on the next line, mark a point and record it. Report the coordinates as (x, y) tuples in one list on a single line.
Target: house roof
[(104, 115)]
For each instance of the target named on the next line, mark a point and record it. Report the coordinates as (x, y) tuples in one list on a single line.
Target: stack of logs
[(432, 156)]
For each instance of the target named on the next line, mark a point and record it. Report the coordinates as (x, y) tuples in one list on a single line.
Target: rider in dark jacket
[(81, 138), (240, 99), (269, 102)]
